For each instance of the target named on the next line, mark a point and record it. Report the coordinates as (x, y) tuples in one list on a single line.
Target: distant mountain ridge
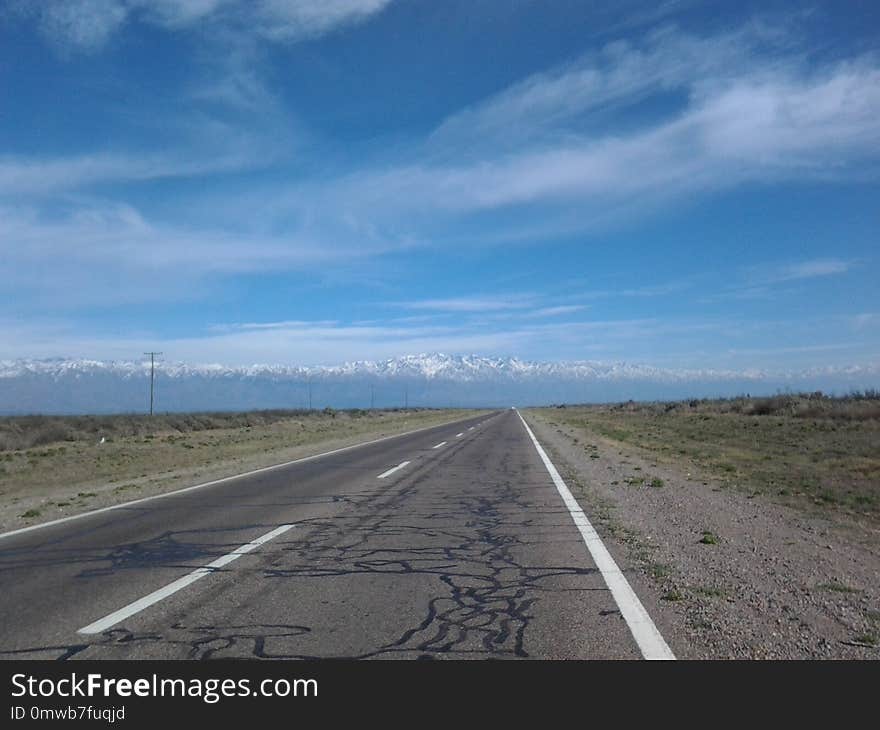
[(428, 379)]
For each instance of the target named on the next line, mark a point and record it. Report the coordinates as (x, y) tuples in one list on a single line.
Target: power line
[(152, 375)]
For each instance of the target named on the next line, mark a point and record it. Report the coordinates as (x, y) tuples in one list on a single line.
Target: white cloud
[(178, 13), (109, 253), (89, 24), (865, 321), (762, 281), (824, 126), (826, 122), (812, 269), (26, 176), (544, 105), (83, 24), (294, 19), (473, 304), (557, 311), (770, 281)]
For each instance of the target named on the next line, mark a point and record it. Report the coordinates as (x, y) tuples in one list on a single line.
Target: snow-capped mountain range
[(434, 379)]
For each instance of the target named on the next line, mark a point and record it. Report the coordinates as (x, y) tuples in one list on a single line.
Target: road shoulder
[(724, 575)]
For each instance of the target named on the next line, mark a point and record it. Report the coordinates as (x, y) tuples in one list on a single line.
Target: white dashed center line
[(392, 470), (442, 443)]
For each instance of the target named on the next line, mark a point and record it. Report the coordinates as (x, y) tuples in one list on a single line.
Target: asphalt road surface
[(450, 542)]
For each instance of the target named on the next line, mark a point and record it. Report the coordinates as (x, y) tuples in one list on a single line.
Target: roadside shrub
[(49, 434), (767, 406)]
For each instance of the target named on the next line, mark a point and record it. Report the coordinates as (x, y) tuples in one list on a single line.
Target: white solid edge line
[(392, 470), (121, 505), (644, 631), (442, 443), (139, 605)]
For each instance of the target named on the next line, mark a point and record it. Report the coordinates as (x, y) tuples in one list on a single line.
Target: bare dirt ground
[(72, 471), (738, 561)]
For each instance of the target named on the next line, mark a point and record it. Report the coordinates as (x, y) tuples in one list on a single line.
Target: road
[(450, 542)]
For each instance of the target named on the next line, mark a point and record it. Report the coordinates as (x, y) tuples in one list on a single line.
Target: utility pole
[(406, 398), (152, 375), (372, 397), (310, 393)]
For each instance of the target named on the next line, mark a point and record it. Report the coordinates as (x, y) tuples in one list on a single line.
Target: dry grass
[(858, 406), (798, 449), (25, 432)]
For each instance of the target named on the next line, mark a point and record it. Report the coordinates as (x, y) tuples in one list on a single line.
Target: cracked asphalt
[(467, 552)]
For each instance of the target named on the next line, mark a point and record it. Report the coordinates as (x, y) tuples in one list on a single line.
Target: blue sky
[(678, 184)]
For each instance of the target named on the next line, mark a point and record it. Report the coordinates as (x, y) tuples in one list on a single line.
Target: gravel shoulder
[(59, 479), (724, 572)]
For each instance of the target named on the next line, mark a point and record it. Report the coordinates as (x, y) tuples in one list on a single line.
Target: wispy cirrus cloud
[(764, 128), (472, 303), (20, 176), (109, 253), (810, 270), (769, 276), (772, 280), (865, 320), (557, 311), (488, 309), (587, 90), (80, 24), (285, 20), (87, 25)]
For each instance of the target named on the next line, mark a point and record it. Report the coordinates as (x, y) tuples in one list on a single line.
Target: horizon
[(687, 188), (58, 386), (419, 358), (447, 357)]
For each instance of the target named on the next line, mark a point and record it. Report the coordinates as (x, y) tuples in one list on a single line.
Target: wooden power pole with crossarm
[(152, 375)]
